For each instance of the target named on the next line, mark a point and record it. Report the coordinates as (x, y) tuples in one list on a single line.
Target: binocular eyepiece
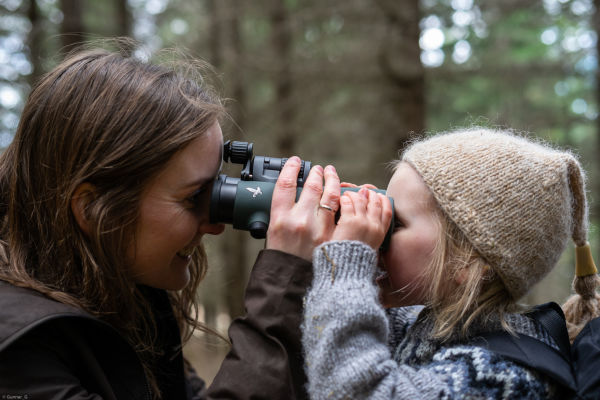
[(245, 202)]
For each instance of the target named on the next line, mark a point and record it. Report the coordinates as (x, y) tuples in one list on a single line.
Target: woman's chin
[(177, 279)]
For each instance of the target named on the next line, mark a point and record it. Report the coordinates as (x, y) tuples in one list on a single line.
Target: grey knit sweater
[(357, 350)]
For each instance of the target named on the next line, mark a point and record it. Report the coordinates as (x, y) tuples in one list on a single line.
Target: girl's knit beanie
[(517, 201)]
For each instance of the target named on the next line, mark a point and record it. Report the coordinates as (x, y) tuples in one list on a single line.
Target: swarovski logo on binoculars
[(255, 192), (245, 202)]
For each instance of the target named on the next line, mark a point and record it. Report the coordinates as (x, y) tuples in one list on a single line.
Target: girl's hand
[(353, 185), (297, 228), (365, 216)]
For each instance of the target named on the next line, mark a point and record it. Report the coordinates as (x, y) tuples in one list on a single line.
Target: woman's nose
[(211, 229)]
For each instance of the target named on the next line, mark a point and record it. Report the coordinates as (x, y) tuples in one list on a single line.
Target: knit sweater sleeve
[(345, 339)]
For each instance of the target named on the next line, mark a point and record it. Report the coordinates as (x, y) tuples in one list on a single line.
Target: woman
[(105, 193)]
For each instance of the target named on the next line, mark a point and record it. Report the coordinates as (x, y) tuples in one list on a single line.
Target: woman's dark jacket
[(49, 350)]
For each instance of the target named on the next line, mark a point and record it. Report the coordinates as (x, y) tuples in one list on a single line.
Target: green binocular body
[(252, 206), (245, 202)]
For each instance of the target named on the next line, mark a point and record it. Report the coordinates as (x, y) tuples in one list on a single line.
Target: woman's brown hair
[(111, 120)]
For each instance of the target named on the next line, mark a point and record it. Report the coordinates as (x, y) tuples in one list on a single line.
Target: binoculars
[(245, 202)]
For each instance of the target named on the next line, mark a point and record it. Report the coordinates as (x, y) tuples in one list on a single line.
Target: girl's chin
[(385, 290), (390, 297)]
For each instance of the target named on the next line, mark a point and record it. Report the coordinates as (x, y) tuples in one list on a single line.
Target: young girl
[(104, 200), (480, 216)]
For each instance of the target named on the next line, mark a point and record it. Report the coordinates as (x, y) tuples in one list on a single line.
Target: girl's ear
[(84, 194), (461, 276)]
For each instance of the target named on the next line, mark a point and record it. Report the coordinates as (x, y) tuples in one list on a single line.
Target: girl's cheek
[(390, 258)]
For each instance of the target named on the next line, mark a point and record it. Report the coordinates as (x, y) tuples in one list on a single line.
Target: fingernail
[(331, 168), (293, 160), (318, 168)]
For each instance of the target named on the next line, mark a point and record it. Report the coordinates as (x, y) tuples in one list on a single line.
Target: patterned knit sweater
[(356, 350)]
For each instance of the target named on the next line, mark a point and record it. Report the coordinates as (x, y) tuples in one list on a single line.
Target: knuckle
[(318, 239), (277, 224), (286, 183), (357, 223), (314, 187), (359, 197), (334, 200), (388, 213), (300, 226)]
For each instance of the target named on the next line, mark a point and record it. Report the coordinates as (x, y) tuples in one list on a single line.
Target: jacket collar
[(23, 309)]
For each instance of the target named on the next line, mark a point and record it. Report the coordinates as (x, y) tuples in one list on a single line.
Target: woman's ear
[(84, 194)]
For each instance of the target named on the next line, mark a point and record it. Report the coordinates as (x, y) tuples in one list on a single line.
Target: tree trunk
[(226, 52), (34, 41), (400, 62), (72, 29), (281, 38), (595, 184), (237, 61), (216, 34), (123, 18), (239, 257), (211, 305)]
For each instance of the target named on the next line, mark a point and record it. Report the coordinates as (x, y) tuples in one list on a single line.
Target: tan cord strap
[(584, 262)]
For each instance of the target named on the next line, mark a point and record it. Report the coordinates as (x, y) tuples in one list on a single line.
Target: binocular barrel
[(245, 202)]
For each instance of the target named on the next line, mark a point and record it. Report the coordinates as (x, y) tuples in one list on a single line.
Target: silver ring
[(326, 207)]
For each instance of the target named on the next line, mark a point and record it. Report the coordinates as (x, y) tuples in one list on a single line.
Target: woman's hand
[(365, 216), (297, 228)]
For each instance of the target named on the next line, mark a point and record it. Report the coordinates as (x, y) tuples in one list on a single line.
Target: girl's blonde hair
[(480, 297), (518, 201), (464, 289)]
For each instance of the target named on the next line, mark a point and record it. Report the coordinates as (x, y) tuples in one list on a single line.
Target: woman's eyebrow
[(205, 180)]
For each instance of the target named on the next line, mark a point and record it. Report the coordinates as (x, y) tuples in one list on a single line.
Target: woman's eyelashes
[(199, 198)]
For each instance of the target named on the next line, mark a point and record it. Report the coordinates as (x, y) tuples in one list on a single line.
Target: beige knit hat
[(516, 201)]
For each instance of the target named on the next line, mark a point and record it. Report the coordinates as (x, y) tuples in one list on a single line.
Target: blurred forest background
[(345, 82)]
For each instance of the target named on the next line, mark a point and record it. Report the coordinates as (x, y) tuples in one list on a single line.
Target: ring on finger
[(325, 207)]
